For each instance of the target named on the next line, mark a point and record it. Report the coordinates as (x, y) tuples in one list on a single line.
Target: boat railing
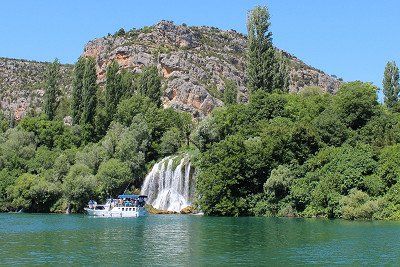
[(128, 204)]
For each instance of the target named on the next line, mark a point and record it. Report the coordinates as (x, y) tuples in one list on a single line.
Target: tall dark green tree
[(260, 53), (77, 89), (230, 92), (266, 68), (113, 90), (127, 87), (52, 89), (149, 84), (281, 73), (89, 91), (391, 87)]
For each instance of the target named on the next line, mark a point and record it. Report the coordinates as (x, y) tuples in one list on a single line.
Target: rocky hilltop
[(195, 62), (22, 85)]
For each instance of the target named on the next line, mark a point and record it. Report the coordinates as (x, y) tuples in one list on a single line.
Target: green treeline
[(310, 154), (306, 154), (117, 133)]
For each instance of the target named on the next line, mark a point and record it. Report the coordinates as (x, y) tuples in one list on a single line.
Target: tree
[(266, 68), (113, 176), (333, 172), (358, 205), (391, 86), (278, 184), (170, 142), (149, 84), (281, 73), (79, 187), (220, 183), (389, 165), (126, 83), (77, 90), (52, 89), (89, 91), (331, 130), (230, 92), (129, 108), (113, 90), (33, 193), (19, 146), (132, 147), (266, 106), (356, 103), (120, 32)]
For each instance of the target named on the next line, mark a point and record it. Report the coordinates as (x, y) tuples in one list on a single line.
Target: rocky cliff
[(22, 84), (195, 62)]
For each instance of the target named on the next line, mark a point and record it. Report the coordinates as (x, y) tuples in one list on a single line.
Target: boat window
[(130, 209), (122, 209)]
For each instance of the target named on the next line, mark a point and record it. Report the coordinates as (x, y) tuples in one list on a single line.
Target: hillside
[(194, 61), (22, 85)]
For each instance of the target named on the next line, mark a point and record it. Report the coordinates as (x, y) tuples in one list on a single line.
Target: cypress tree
[(281, 76), (89, 91), (230, 92), (149, 84), (126, 83), (391, 87), (113, 90), (52, 89), (266, 68), (77, 89), (260, 53)]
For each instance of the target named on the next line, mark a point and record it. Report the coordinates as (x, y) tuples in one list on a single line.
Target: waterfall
[(170, 188)]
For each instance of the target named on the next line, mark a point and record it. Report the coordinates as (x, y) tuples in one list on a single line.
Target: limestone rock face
[(195, 63), (22, 85)]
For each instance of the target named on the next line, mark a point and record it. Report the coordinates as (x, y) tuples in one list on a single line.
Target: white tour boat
[(123, 206)]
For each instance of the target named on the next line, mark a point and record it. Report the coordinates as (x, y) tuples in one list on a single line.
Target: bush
[(33, 193), (79, 187), (113, 177), (358, 205)]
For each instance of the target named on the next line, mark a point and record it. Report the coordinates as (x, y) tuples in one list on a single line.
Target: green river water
[(166, 240)]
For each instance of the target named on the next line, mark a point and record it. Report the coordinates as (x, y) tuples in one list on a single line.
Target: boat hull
[(118, 212)]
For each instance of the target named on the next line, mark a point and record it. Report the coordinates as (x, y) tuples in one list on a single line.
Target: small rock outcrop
[(195, 62)]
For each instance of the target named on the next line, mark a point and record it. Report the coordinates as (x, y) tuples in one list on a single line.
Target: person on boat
[(91, 204)]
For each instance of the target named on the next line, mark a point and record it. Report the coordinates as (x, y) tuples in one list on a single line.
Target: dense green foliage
[(310, 154), (113, 90), (149, 84), (51, 94), (89, 91), (230, 92), (117, 134), (391, 86), (45, 165), (77, 89)]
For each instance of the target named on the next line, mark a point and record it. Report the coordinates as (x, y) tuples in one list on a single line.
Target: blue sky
[(352, 39)]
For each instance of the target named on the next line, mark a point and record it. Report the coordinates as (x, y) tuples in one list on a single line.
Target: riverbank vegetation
[(117, 133), (310, 154)]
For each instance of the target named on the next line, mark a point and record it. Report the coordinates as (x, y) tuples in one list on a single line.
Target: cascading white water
[(170, 188)]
